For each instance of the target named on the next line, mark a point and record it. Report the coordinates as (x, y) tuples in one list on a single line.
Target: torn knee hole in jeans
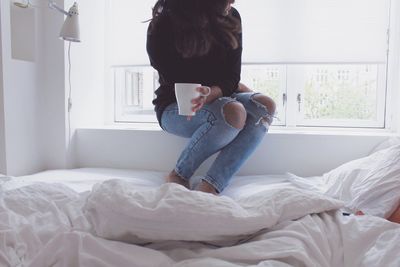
[(267, 119), (231, 100)]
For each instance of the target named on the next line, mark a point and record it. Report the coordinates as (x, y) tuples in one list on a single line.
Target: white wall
[(394, 73), (20, 104), (393, 114), (87, 71), (33, 94), (299, 153), (3, 164), (88, 66), (52, 102), (34, 125)]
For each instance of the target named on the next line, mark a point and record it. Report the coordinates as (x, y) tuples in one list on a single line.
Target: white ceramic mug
[(185, 92)]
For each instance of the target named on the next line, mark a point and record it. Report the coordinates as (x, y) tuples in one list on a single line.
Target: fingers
[(199, 101), (197, 107)]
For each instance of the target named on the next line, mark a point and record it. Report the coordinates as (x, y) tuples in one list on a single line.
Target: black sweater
[(220, 67)]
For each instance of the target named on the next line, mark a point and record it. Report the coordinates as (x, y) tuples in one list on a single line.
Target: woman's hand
[(199, 101), (207, 95)]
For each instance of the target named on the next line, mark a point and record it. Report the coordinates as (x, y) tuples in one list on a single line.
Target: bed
[(112, 217)]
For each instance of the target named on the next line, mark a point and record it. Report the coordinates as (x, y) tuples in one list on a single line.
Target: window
[(324, 62), (340, 95), (134, 91)]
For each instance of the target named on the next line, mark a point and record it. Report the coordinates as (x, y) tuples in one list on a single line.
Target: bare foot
[(173, 177), (207, 188)]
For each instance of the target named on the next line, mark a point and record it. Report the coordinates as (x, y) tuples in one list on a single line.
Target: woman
[(200, 41)]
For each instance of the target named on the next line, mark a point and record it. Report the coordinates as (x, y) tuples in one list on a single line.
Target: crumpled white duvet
[(51, 225), (370, 184), (119, 211)]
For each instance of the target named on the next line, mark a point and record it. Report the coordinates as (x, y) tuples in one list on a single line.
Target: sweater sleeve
[(230, 81)]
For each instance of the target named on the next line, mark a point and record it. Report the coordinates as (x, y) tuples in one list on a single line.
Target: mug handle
[(209, 90)]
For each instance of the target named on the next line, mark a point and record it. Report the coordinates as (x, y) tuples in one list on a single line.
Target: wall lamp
[(70, 29)]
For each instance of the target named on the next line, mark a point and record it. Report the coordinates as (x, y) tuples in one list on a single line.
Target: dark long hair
[(198, 25)]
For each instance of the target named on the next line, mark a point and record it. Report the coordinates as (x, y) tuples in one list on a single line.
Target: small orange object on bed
[(395, 217)]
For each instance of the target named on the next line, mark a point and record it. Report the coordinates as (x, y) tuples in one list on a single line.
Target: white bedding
[(119, 211), (370, 184), (266, 221)]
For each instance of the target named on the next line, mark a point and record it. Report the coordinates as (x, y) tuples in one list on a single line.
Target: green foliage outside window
[(335, 99)]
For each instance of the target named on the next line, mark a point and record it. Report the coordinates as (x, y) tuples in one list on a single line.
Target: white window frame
[(393, 70)]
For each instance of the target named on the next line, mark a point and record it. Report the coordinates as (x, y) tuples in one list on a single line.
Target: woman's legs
[(260, 110), (209, 131)]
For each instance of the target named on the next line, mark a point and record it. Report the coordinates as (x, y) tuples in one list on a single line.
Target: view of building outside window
[(341, 92)]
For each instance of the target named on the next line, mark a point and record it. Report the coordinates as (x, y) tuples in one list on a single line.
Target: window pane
[(339, 94), (269, 80), (134, 92)]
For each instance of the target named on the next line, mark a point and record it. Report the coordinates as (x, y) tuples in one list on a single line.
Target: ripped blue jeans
[(209, 133)]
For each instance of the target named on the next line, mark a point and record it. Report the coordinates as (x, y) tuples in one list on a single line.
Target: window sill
[(274, 130)]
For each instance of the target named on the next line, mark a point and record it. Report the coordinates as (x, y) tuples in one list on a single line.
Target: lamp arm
[(53, 5)]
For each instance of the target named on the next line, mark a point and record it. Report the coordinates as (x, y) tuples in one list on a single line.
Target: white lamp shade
[(70, 28)]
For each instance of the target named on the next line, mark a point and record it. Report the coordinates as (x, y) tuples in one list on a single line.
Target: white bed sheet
[(44, 224), (83, 179)]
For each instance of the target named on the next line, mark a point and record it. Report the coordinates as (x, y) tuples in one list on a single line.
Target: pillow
[(120, 211), (370, 184), (389, 142)]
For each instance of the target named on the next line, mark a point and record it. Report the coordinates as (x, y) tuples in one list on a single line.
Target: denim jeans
[(209, 132)]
